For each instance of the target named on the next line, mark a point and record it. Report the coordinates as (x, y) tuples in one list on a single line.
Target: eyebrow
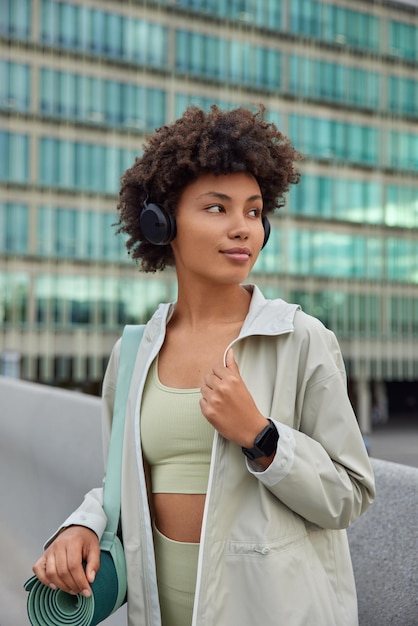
[(224, 196)]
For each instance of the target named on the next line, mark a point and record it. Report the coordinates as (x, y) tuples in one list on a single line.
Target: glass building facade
[(82, 83)]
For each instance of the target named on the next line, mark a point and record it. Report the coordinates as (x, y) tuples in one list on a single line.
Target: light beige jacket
[(273, 547)]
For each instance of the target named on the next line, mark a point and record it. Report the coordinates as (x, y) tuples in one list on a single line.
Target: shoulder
[(317, 342), (111, 373), (311, 327)]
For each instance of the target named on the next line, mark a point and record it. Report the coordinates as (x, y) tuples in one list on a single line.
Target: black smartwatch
[(264, 444)]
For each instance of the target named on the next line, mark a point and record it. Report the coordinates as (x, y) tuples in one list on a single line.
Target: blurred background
[(83, 81)]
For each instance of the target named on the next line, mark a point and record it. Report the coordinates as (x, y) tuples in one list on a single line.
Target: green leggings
[(176, 574)]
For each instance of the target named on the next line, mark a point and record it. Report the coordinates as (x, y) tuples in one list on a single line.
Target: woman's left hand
[(228, 405)]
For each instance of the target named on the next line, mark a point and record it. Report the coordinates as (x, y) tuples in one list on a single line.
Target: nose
[(239, 229)]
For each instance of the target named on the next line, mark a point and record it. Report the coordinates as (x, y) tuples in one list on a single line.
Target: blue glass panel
[(113, 35), (15, 18), (66, 234), (96, 169), (375, 259), (403, 95), (14, 228), (403, 40), (14, 293), (68, 25), (48, 103), (46, 231), (401, 208), (48, 161), (14, 157), (15, 86), (66, 164), (402, 260), (49, 21)]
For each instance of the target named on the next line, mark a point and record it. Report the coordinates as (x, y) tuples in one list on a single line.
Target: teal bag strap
[(131, 339)]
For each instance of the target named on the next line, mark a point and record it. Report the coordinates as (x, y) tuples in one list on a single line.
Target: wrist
[(252, 434), (264, 444)]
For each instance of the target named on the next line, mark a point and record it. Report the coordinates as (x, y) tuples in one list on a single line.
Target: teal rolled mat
[(53, 607)]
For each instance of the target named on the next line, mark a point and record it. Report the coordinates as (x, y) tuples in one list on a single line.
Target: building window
[(329, 139), (14, 228), (79, 234), (324, 80), (403, 40), (233, 61), (401, 208), (403, 95), (334, 255), (15, 86), (97, 101), (14, 157), (402, 260), (71, 301), (77, 165), (14, 289), (335, 24), (403, 150), (15, 18), (338, 198), (93, 31)]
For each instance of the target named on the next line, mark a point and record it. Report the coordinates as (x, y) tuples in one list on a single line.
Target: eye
[(215, 208), (255, 212)]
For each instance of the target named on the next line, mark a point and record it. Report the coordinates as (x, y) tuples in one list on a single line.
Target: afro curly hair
[(218, 142)]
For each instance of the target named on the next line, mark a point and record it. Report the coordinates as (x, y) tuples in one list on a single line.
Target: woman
[(243, 462)]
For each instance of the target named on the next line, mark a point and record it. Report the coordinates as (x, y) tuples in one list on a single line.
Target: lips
[(237, 254)]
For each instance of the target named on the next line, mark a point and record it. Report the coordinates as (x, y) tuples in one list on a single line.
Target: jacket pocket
[(266, 548), (275, 582)]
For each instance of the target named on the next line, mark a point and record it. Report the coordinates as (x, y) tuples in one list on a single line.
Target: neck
[(203, 306)]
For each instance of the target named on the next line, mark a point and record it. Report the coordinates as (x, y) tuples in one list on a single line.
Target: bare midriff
[(179, 516)]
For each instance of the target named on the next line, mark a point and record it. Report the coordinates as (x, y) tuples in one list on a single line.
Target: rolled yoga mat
[(53, 607)]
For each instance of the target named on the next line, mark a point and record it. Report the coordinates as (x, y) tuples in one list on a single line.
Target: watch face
[(268, 441), (265, 443)]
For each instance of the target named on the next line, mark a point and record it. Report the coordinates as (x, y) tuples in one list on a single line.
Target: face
[(219, 227)]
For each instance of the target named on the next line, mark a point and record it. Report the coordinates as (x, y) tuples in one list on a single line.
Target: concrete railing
[(50, 455), (384, 549)]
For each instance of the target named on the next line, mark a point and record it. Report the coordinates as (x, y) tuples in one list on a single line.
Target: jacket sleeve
[(321, 469), (90, 513)]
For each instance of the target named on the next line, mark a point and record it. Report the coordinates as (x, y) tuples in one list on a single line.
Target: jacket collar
[(265, 317), (268, 317)]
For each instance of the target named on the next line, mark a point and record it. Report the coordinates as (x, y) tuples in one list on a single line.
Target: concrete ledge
[(50, 455), (384, 546)]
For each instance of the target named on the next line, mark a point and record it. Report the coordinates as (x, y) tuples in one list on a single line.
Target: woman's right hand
[(61, 565)]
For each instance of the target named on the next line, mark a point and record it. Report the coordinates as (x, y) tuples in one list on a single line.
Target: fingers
[(61, 565), (231, 362), (221, 372), (93, 562)]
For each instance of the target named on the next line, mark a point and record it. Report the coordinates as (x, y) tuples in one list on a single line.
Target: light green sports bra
[(176, 437)]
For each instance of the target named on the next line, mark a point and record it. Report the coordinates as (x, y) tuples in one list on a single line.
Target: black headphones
[(159, 227)]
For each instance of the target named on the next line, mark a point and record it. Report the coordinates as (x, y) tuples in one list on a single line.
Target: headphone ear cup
[(267, 229), (157, 225)]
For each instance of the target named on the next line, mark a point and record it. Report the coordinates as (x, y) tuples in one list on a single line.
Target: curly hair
[(218, 142)]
